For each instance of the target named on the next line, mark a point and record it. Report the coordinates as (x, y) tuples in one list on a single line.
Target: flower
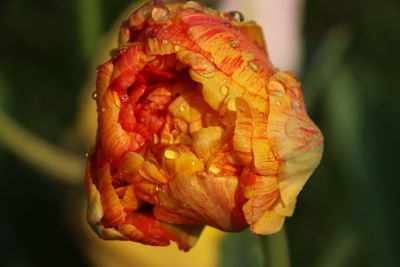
[(196, 127)]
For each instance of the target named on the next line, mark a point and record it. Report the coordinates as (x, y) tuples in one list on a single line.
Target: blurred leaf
[(338, 251), (324, 64), (90, 26)]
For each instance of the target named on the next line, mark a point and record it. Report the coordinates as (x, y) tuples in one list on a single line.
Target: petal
[(130, 163), (243, 132), (296, 140), (152, 173), (270, 223), (207, 141), (146, 229), (114, 213), (262, 192), (206, 199), (95, 211), (178, 159)]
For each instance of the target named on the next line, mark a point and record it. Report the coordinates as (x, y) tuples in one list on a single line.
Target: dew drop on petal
[(170, 154), (213, 169), (161, 188), (278, 103), (231, 104), (156, 139), (182, 108), (86, 155), (193, 5), (296, 106), (94, 95), (186, 204), (276, 88), (224, 90), (237, 16), (253, 66), (177, 48), (235, 43), (159, 13)]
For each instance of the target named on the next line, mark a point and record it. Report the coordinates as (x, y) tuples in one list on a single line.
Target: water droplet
[(193, 163), (296, 106), (177, 48), (182, 108), (253, 66), (224, 90), (231, 104), (225, 80), (259, 83), (214, 169), (278, 103), (159, 13), (161, 188), (186, 204), (86, 155), (156, 139), (235, 43), (170, 154), (236, 15), (276, 88), (94, 95), (193, 5)]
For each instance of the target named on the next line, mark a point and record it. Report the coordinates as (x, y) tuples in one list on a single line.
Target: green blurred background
[(347, 215)]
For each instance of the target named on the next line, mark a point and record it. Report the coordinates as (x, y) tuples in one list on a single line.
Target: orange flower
[(196, 127)]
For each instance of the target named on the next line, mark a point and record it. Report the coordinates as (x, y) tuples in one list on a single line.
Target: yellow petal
[(207, 141), (269, 223), (179, 159), (242, 139), (208, 199), (294, 137), (152, 173)]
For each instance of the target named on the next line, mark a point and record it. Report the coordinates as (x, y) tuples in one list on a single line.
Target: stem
[(276, 249), (67, 167)]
